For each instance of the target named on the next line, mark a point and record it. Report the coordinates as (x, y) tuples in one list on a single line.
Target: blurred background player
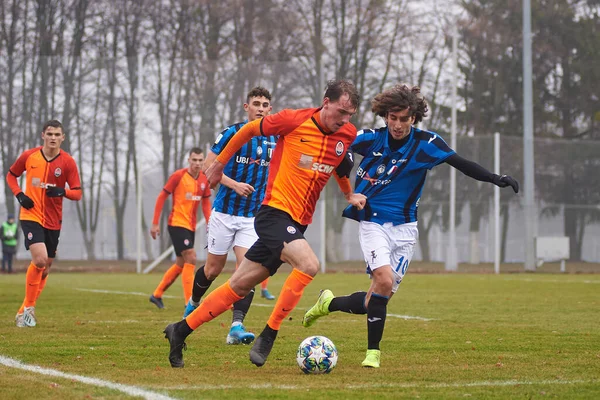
[(237, 202), (189, 187), (9, 242), (49, 170), (391, 175), (312, 146)]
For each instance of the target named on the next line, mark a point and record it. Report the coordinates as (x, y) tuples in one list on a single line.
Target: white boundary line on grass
[(406, 317), (382, 385), (120, 292), (127, 389), (409, 317)]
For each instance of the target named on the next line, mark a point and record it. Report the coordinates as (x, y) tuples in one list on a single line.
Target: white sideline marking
[(381, 385), (127, 389), (119, 292), (406, 317), (409, 317)]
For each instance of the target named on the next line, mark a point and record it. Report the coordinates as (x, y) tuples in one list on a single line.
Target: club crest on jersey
[(339, 148), (291, 230), (259, 151), (381, 169), (29, 236), (57, 172), (202, 186), (186, 242)]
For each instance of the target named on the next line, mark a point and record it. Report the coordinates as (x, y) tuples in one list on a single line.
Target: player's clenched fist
[(358, 200)]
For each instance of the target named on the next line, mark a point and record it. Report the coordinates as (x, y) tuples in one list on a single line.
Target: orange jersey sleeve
[(206, 203), (241, 137), (160, 202), (305, 157), (344, 184), (187, 192), (42, 173)]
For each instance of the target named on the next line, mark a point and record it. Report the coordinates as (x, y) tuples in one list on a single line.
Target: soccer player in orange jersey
[(312, 146), (189, 187), (49, 170)]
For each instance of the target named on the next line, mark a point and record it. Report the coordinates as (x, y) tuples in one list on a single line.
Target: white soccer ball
[(317, 355)]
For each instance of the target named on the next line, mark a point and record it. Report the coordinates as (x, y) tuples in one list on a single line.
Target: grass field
[(447, 336)]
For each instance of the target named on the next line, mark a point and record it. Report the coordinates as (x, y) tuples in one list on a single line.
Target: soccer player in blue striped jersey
[(391, 175), (237, 201)]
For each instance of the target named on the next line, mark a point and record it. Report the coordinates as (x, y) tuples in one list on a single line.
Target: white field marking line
[(383, 385), (126, 321), (119, 292), (406, 317), (409, 317), (127, 389)]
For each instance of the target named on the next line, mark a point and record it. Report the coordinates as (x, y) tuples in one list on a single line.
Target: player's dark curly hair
[(399, 98), (258, 91), (337, 88)]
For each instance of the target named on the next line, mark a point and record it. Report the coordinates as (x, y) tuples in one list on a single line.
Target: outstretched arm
[(358, 200), (160, 202), (241, 188), (476, 171), (215, 171), (206, 208)]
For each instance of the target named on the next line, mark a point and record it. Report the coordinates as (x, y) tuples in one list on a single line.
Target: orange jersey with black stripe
[(42, 173), (304, 159), (187, 193)]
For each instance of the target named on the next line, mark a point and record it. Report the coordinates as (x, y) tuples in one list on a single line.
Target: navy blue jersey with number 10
[(249, 165), (393, 181)]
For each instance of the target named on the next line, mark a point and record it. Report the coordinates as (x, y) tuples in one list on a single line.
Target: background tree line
[(191, 62)]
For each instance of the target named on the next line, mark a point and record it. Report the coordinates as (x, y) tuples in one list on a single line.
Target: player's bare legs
[(305, 263), (214, 265)]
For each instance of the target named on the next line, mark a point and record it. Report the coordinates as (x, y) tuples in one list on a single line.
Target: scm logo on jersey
[(190, 196), (319, 167)]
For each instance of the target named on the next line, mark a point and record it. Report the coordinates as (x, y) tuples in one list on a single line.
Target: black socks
[(201, 285), (376, 312), (353, 303)]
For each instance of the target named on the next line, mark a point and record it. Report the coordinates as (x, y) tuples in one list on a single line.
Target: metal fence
[(567, 194)]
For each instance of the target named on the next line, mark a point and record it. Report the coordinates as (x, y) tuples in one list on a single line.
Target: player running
[(391, 175), (189, 188), (237, 202), (49, 170), (311, 147)]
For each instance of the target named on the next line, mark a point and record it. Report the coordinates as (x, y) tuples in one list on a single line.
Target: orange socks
[(32, 283), (167, 280), (289, 297), (41, 286), (217, 302), (187, 280), (263, 284)]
